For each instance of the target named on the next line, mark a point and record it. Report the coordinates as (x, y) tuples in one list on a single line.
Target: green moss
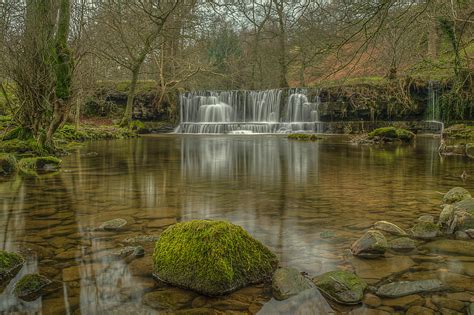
[(341, 286), (136, 125), (393, 134), (35, 165), (303, 136), (92, 132), (29, 146), (8, 164), (456, 194), (460, 131), (8, 261), (211, 257), (29, 282)]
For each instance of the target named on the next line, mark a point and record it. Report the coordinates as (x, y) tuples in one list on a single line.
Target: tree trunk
[(279, 6), (127, 115)]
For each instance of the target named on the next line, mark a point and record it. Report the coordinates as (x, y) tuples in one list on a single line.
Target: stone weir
[(304, 110)]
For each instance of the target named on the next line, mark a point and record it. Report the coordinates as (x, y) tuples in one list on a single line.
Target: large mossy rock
[(341, 286), (30, 287), (456, 194), (8, 164), (372, 244), (457, 217), (287, 282), (425, 230), (392, 134), (38, 165), (211, 257), (10, 264)]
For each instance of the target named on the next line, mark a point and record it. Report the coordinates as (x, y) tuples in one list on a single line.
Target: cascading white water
[(239, 112)]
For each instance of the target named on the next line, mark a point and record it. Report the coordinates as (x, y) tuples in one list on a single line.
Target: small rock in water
[(389, 228), (30, 287), (287, 282), (456, 194), (402, 244), (461, 235), (113, 225), (470, 233), (371, 245), (141, 239), (341, 286), (470, 310), (133, 251), (403, 288), (425, 230), (426, 218)]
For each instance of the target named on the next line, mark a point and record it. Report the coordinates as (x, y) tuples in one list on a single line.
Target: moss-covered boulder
[(425, 230), (457, 217), (456, 194), (389, 227), (211, 257), (341, 286), (388, 134), (372, 244), (39, 165), (7, 164), (30, 287), (303, 136), (10, 264)]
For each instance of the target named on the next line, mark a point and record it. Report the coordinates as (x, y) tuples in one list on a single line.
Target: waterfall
[(242, 112), (433, 111)]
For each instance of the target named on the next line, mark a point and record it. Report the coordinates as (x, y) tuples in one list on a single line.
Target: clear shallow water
[(307, 201)]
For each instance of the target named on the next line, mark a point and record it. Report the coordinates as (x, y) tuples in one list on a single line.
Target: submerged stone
[(113, 225), (8, 164), (30, 286), (464, 248), (404, 288), (211, 257), (341, 286), (371, 245), (287, 282), (456, 194), (402, 244), (10, 264), (38, 165), (389, 228), (425, 230)]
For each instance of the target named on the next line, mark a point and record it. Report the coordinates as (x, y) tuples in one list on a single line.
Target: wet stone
[(373, 270), (10, 265), (141, 239), (455, 247), (404, 302), (371, 245), (426, 218), (402, 244), (456, 194), (372, 300), (341, 286), (31, 286), (287, 282), (425, 230), (443, 302), (403, 288), (113, 225), (389, 228), (169, 298), (419, 310)]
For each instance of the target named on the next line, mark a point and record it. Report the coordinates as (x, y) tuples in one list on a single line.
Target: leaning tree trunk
[(127, 115)]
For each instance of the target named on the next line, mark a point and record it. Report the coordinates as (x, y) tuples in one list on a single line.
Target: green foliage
[(28, 283), (17, 146), (8, 164), (136, 125), (460, 131), (8, 261), (18, 133), (36, 165), (92, 132), (392, 133), (303, 136), (211, 257)]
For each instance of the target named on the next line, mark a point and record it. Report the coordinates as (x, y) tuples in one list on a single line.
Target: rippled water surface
[(307, 201)]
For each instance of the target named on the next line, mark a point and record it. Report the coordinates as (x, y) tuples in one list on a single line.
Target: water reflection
[(306, 200)]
